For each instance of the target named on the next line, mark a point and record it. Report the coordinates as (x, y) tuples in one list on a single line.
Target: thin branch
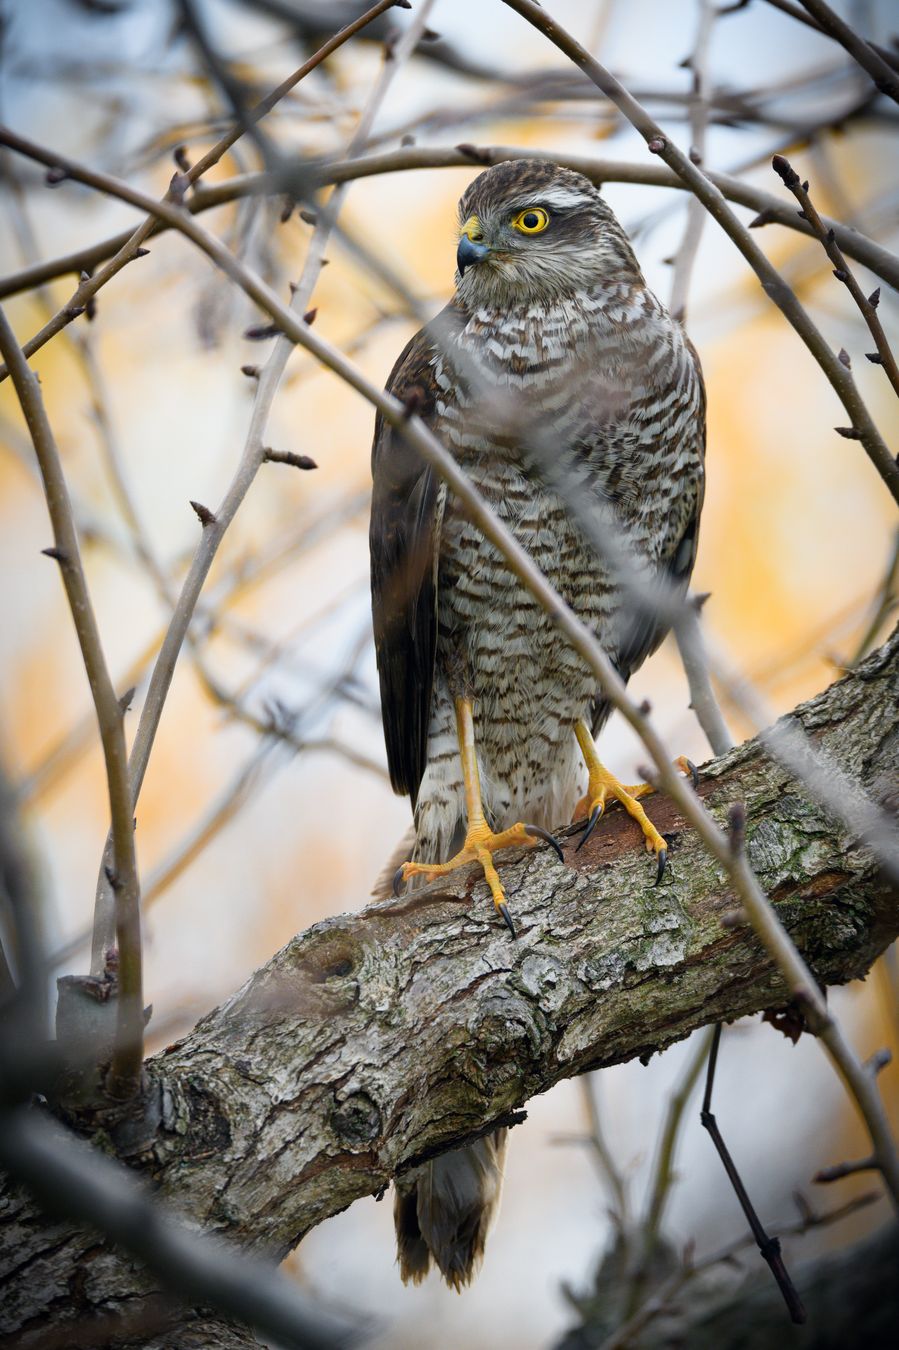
[(236, 583), (663, 1171), (221, 813), (866, 304), (607, 1167), (769, 209), (688, 251), (881, 73), (125, 1068), (713, 200), (767, 1245), (230, 801), (664, 1176), (884, 604), (845, 1169), (24, 1002), (659, 1301), (688, 635)]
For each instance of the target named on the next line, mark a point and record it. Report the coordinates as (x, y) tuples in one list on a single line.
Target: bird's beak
[(472, 248)]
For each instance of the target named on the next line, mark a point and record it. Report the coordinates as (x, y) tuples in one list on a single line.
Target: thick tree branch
[(375, 1040)]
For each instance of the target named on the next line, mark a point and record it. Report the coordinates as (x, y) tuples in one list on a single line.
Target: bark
[(375, 1040)]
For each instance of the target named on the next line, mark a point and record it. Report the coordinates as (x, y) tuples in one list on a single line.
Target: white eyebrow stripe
[(562, 197)]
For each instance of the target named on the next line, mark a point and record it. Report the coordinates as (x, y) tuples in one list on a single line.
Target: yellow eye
[(531, 221)]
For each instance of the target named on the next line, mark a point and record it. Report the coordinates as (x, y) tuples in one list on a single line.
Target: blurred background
[(266, 805)]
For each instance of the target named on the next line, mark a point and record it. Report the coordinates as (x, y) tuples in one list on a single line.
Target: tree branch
[(79, 1183), (881, 73), (769, 208), (375, 1040)]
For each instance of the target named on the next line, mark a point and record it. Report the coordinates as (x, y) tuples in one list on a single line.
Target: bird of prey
[(555, 377)]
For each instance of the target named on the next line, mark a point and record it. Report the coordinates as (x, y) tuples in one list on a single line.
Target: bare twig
[(658, 1302), (688, 250), (881, 73), (663, 1171), (866, 304), (253, 458), (690, 644), (663, 1178), (884, 604), (222, 811), (23, 1001), (608, 1168), (124, 1076), (767, 1245), (845, 1169)]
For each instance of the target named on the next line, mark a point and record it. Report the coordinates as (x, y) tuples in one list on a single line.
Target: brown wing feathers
[(404, 600)]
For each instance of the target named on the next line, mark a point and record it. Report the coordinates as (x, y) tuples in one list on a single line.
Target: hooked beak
[(471, 248), (469, 252)]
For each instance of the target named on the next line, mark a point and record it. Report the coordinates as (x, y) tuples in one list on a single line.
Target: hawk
[(551, 355)]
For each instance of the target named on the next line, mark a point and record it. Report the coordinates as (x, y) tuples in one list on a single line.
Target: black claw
[(398, 880), (595, 818), (548, 838), (662, 856), (504, 911), (694, 773)]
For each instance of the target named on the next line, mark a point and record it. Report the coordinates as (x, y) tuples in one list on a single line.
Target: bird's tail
[(444, 1210)]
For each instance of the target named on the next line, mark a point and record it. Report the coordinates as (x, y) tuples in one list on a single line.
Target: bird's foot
[(603, 785), (480, 845)]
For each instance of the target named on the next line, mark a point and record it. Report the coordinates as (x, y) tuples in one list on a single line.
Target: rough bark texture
[(377, 1039)]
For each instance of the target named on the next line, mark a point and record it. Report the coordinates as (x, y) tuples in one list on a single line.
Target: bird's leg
[(602, 785), (480, 841)]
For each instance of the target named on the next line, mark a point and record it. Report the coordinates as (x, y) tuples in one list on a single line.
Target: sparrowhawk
[(552, 358)]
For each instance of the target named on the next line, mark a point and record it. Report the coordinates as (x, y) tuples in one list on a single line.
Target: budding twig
[(867, 304)]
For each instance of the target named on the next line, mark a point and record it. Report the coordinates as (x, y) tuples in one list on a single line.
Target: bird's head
[(531, 231)]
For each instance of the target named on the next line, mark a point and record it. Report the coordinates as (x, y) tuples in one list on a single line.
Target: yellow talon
[(602, 785), (480, 841)]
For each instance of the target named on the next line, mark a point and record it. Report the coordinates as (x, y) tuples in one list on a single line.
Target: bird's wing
[(404, 550)]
